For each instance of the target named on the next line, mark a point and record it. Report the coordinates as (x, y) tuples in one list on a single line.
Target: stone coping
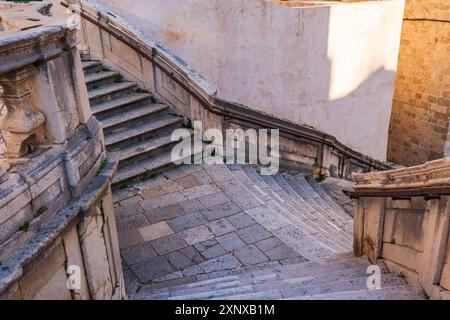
[(430, 174), (12, 267), (32, 35)]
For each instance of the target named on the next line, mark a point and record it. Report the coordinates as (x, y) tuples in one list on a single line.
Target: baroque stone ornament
[(21, 121)]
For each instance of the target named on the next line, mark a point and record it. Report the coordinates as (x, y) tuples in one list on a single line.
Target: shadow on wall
[(329, 66)]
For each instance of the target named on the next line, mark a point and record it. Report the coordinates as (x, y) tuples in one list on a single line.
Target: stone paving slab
[(168, 244), (187, 221), (155, 231), (188, 224), (240, 220), (220, 227), (231, 241), (221, 211), (165, 213), (198, 234)]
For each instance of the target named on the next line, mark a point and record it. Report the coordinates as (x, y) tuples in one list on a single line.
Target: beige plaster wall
[(330, 66)]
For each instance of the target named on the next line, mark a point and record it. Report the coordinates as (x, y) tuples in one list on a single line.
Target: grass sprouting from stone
[(102, 167), (24, 227), (40, 211), (118, 78)]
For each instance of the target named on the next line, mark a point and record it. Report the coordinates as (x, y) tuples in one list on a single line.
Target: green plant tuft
[(24, 227), (123, 185), (102, 167), (95, 86), (40, 211), (149, 176), (188, 124), (118, 78), (153, 99), (321, 177), (140, 90)]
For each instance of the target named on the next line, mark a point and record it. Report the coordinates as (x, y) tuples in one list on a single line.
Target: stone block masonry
[(419, 120), (58, 237)]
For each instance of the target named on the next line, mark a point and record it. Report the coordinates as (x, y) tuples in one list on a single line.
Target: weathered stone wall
[(410, 233), (58, 237), (114, 42), (419, 121), (327, 64)]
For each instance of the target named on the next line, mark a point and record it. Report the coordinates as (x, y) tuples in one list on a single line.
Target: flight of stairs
[(133, 122), (332, 279), (323, 234), (139, 128)]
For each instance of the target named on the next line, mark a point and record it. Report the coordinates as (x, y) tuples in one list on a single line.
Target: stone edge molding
[(402, 218), (56, 205), (430, 174), (206, 94), (11, 269)]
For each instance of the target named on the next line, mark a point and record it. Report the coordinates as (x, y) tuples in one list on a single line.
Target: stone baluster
[(21, 121)]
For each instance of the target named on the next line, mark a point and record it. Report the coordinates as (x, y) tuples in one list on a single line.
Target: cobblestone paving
[(195, 223)]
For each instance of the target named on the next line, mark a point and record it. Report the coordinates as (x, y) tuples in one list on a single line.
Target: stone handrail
[(203, 103), (29, 36), (56, 206), (403, 218)]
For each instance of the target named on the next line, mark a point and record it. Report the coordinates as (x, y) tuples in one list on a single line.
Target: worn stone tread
[(145, 128), (137, 149), (119, 102), (138, 112), (109, 89), (99, 76), (87, 64)]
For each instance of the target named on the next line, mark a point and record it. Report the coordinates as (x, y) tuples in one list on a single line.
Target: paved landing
[(190, 224)]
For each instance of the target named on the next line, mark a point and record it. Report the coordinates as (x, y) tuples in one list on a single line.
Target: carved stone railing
[(403, 218), (56, 215), (115, 42)]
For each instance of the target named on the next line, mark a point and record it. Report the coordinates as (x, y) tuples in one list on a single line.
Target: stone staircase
[(331, 279), (134, 123), (298, 212), (306, 240)]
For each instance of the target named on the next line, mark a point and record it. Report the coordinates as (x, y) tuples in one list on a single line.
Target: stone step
[(326, 197), (287, 210), (312, 268), (274, 281), (348, 284), (128, 119), (90, 66), (146, 169), (111, 91), (98, 79), (124, 103), (309, 221), (328, 218), (400, 292), (306, 193), (142, 150), (141, 132), (306, 188)]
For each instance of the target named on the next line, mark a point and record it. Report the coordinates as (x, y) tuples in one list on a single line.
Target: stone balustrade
[(121, 46), (58, 236), (403, 218)]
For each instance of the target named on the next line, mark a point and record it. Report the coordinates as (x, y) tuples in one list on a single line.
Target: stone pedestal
[(21, 121)]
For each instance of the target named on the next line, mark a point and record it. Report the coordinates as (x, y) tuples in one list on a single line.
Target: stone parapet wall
[(303, 63), (419, 121), (58, 238), (109, 38), (403, 218)]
